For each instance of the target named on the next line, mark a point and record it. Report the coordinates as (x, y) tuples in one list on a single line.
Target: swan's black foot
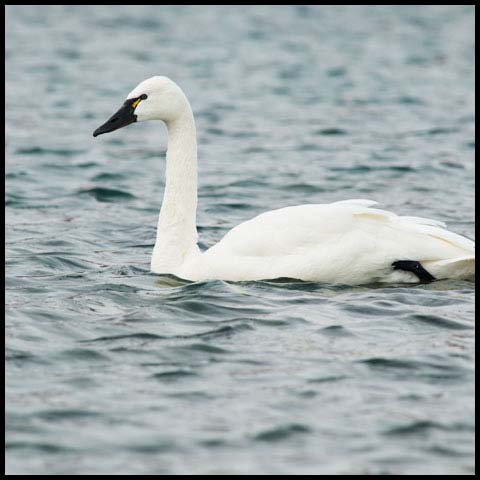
[(414, 267)]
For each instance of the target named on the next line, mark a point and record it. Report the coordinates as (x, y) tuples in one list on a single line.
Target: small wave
[(282, 432), (328, 379), (114, 287), (103, 194), (212, 443), (407, 369), (19, 357), (83, 354), (139, 336), (213, 308), (173, 375), (223, 331), (204, 347), (358, 169), (64, 152), (233, 205), (420, 427), (336, 331), (54, 261), (441, 322), (154, 447), (130, 22), (368, 310), (65, 414), (251, 182), (303, 188), (390, 363), (108, 176), (41, 446), (331, 131)]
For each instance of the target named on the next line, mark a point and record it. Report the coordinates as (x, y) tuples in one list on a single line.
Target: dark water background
[(110, 369)]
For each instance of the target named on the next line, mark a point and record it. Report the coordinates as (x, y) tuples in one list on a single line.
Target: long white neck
[(177, 230)]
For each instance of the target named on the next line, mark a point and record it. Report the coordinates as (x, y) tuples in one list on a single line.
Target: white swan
[(343, 242)]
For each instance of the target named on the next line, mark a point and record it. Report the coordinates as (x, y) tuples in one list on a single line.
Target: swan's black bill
[(125, 116)]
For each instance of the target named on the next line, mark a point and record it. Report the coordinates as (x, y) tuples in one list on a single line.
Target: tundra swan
[(345, 242)]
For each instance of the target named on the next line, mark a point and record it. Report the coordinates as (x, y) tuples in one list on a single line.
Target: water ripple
[(110, 368), (282, 432)]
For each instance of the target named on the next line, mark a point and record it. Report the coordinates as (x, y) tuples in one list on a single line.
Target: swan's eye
[(138, 100), (133, 102)]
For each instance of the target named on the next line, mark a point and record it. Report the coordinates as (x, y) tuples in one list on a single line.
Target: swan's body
[(343, 242)]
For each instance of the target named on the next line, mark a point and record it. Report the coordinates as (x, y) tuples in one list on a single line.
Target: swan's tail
[(459, 268)]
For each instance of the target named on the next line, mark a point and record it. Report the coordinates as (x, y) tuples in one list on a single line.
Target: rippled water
[(112, 369)]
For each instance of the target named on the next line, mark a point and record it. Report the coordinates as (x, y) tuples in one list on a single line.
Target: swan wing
[(342, 242)]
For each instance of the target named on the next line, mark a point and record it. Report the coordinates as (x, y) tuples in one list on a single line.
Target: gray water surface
[(111, 369)]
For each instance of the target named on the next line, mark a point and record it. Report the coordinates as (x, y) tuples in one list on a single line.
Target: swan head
[(157, 98)]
